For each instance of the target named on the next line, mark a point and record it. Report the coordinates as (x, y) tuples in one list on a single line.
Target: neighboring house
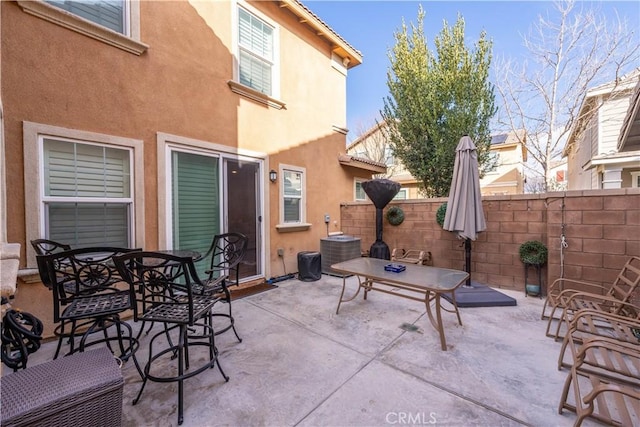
[(629, 140), (508, 151), (157, 124), (594, 149), (558, 174)]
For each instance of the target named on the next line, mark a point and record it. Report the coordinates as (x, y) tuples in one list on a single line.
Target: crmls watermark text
[(411, 418)]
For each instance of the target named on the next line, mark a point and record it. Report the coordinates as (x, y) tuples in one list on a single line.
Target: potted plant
[(533, 253)]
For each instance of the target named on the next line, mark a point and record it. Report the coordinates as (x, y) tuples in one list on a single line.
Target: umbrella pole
[(467, 258)]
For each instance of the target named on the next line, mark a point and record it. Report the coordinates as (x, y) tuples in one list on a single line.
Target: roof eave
[(364, 164), (340, 46)]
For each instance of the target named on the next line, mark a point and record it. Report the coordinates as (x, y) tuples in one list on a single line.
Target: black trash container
[(309, 266)]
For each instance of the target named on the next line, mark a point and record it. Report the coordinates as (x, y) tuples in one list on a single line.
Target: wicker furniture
[(568, 296), (224, 257), (163, 285), (88, 297), (83, 389)]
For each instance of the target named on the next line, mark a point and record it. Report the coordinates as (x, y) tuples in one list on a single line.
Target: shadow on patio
[(301, 364)]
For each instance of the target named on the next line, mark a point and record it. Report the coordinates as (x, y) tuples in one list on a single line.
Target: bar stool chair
[(88, 298), (224, 256), (164, 288)]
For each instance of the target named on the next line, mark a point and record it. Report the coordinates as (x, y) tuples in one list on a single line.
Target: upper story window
[(402, 194), (256, 53), (113, 22), (108, 13)]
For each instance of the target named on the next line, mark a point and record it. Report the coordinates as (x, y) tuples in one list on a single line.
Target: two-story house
[(507, 150), (629, 140), (158, 124), (509, 154), (595, 159)]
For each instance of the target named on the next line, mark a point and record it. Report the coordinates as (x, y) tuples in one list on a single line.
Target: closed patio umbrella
[(464, 214)]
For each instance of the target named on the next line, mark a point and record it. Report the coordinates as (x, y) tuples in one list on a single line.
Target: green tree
[(435, 99)]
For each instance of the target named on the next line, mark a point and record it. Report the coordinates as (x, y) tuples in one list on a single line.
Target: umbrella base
[(478, 295)]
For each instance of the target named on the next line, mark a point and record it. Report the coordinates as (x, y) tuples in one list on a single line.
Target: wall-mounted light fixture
[(273, 175)]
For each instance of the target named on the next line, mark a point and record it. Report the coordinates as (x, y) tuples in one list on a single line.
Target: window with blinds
[(256, 51), (108, 13), (87, 193), (195, 201), (359, 191), (292, 196)]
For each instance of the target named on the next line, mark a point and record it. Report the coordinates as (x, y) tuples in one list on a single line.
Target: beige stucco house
[(629, 139), (508, 151), (157, 124), (600, 153)]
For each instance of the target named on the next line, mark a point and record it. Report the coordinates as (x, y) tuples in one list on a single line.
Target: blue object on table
[(396, 268)]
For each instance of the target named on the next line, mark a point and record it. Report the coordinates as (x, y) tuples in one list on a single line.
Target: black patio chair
[(89, 295), (48, 247), (163, 285), (224, 256)]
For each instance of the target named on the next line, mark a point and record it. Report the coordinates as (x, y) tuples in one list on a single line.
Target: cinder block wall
[(601, 231)]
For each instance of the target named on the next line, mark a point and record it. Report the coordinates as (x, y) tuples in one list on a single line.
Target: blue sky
[(369, 26)]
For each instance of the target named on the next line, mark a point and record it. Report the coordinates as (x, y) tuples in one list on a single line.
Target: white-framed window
[(87, 193), (114, 22), (358, 192), (292, 195), (88, 188), (401, 195), (257, 52), (635, 179), (113, 14)]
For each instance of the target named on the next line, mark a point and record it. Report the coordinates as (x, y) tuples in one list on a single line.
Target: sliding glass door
[(214, 194), (195, 198), (243, 209)]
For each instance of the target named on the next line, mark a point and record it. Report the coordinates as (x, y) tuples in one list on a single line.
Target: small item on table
[(396, 268)]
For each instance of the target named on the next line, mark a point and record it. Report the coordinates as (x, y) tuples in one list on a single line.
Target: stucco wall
[(601, 229), (54, 76)]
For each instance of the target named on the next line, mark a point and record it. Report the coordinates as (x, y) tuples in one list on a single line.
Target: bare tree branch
[(570, 51)]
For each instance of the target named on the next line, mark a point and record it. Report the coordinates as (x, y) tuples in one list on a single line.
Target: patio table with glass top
[(429, 282)]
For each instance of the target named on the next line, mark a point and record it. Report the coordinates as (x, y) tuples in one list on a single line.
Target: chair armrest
[(214, 286), (604, 387), (595, 297), (605, 316), (623, 348), (559, 285)]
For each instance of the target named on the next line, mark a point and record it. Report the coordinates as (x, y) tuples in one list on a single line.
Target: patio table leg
[(437, 322), (344, 286)]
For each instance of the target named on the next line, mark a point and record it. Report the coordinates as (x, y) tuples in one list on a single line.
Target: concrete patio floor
[(300, 364)]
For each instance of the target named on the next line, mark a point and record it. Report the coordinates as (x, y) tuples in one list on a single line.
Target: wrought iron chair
[(48, 247), (88, 298), (224, 256), (164, 289)]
